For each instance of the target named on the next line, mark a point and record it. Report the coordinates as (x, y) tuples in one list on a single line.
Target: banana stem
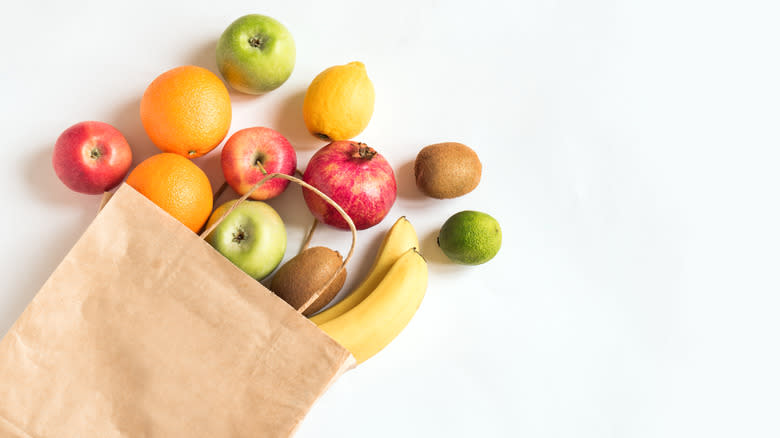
[(325, 197)]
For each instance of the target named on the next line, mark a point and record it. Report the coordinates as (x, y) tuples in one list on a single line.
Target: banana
[(371, 325), (398, 240)]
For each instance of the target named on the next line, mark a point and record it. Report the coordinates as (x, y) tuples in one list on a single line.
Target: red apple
[(249, 148), (357, 178), (91, 157)]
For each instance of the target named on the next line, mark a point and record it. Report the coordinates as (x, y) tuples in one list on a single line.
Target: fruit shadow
[(45, 184), (434, 255), (211, 165), (127, 119), (407, 187), (290, 123), (205, 55)]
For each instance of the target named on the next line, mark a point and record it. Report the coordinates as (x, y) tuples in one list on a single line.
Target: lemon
[(470, 237), (339, 102)]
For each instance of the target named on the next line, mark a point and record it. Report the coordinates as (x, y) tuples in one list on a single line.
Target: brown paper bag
[(144, 330)]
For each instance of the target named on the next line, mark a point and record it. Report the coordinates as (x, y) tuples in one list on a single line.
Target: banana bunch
[(372, 315)]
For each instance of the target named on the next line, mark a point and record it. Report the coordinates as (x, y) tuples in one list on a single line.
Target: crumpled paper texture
[(144, 330)]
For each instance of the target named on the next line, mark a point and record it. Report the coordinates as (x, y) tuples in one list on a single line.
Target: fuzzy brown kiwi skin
[(447, 170), (304, 274)]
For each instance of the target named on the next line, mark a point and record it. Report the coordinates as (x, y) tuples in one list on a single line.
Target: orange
[(186, 111), (177, 186)]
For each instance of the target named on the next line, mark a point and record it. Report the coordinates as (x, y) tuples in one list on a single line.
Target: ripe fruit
[(357, 178), (447, 170), (470, 237), (339, 102), (256, 54), (177, 186), (91, 157), (377, 320), (186, 111), (252, 236), (249, 148), (303, 275), (397, 241)]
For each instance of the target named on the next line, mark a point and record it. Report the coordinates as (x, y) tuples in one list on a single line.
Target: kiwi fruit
[(447, 170), (298, 279)]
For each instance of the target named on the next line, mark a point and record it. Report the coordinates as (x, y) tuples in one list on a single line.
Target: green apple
[(252, 236), (256, 54)]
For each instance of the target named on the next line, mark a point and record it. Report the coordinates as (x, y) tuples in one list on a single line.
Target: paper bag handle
[(325, 197)]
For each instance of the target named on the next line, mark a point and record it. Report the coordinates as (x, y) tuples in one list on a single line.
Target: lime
[(470, 237)]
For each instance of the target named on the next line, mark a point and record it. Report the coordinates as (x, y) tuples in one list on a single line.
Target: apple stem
[(317, 192), (258, 41), (239, 237)]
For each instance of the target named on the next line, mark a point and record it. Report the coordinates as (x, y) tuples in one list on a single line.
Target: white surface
[(630, 152)]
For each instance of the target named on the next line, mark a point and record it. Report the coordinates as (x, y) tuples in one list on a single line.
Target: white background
[(629, 150)]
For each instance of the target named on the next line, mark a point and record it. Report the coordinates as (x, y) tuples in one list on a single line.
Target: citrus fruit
[(339, 102), (470, 237), (177, 186), (186, 111)]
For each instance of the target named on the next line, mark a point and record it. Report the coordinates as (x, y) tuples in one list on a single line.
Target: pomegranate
[(356, 177)]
